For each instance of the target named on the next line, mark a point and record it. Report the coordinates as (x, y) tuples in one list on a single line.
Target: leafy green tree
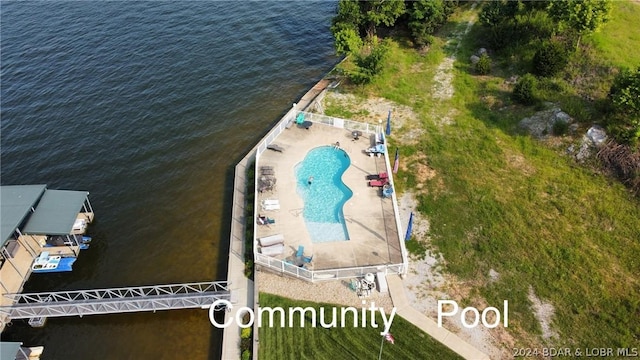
[(349, 15), (425, 17), (345, 27), (624, 98), (381, 12), (369, 64), (347, 41), (582, 16)]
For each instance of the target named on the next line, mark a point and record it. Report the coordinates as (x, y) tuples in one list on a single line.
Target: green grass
[(342, 343), (619, 40), (508, 202)]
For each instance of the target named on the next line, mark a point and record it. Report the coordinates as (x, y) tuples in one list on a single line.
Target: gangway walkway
[(116, 300)]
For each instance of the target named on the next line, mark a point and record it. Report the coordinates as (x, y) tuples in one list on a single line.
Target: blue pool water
[(325, 197)]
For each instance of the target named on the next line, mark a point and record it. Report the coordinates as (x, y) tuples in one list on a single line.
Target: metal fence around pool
[(329, 274)]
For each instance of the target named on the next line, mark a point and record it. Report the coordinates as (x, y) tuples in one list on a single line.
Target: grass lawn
[(505, 201), (618, 40), (342, 343)]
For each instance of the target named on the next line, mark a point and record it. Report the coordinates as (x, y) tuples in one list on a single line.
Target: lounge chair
[(271, 240), (267, 172), (380, 176), (375, 150), (271, 207), (263, 220), (378, 183), (275, 147), (307, 259), (270, 202), (272, 250), (266, 167), (300, 252)]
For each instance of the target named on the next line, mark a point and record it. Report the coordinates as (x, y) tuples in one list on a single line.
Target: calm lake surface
[(148, 106)]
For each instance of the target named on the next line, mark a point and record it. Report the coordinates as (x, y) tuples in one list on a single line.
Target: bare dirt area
[(404, 121)]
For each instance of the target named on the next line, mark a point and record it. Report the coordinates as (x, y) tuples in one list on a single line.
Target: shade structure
[(16, 203), (56, 212)]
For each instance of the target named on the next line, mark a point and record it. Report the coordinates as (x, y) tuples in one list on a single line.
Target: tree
[(425, 17), (369, 63), (347, 41), (381, 12), (349, 15), (624, 98), (582, 16)]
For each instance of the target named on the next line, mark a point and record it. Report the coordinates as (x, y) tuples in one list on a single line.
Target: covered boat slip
[(36, 219), (60, 212)]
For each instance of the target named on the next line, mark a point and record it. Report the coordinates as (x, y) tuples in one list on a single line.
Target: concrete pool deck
[(370, 218)]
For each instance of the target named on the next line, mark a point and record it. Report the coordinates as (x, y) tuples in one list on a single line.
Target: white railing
[(327, 274), (396, 212), (302, 273), (351, 125)]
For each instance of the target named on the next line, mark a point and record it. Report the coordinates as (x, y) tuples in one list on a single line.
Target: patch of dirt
[(417, 163), (443, 87), (405, 125), (543, 313)]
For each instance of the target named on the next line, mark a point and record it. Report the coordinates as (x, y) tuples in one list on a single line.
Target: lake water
[(148, 106)]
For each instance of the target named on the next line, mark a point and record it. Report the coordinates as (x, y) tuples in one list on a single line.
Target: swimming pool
[(319, 183)]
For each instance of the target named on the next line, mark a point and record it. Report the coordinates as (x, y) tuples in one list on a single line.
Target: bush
[(524, 90), (560, 128), (246, 355), (245, 333), (624, 100), (550, 59), (483, 66)]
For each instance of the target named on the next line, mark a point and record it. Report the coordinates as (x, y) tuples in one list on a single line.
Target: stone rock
[(597, 135), (585, 150), (474, 59), (512, 80), (573, 128), (494, 275), (482, 51), (542, 123)]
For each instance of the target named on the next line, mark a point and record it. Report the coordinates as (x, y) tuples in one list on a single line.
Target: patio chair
[(300, 252), (378, 183)]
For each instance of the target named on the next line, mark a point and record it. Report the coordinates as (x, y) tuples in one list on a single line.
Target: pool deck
[(369, 217)]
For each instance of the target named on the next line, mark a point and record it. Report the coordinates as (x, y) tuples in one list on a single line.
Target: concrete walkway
[(447, 338), (243, 289)]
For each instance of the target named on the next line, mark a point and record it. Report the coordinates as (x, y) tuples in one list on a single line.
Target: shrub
[(560, 128), (246, 355), (245, 333), (624, 100), (550, 59), (483, 66), (524, 90)]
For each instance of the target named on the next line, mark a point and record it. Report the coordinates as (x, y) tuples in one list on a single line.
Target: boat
[(46, 263)]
